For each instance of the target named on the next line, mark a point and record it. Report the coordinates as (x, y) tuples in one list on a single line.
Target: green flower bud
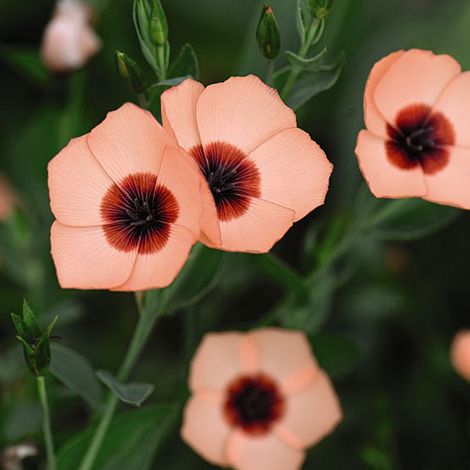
[(158, 23), (268, 34), (36, 343), (130, 73), (321, 8)]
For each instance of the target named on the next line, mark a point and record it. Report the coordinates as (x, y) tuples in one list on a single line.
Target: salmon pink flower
[(258, 400), (127, 204), (69, 41), (262, 173), (416, 107), (460, 353)]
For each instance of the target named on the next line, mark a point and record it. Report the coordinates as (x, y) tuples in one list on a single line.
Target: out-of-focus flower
[(259, 399), (417, 142), (21, 456), (7, 198), (69, 41), (262, 171), (460, 353), (127, 204)]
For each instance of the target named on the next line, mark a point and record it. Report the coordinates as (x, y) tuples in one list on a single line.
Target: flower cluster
[(229, 168)]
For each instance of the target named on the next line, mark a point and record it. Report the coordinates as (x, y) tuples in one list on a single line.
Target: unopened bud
[(130, 73), (268, 34), (321, 8), (36, 344), (158, 23)]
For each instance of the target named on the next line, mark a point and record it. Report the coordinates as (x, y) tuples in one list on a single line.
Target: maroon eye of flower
[(138, 214), (420, 137), (253, 403), (232, 178)]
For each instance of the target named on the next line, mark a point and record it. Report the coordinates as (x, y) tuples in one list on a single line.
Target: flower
[(416, 107), (69, 41), (460, 353), (259, 399), (262, 172), (127, 204)]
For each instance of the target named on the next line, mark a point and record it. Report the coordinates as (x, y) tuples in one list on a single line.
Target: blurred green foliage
[(379, 301)]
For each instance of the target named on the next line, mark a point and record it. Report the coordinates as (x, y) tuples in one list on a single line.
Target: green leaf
[(409, 219), (198, 277), (299, 21), (131, 443), (76, 373), (338, 355), (310, 84), (27, 63), (186, 63), (19, 325), (314, 64), (132, 394), (31, 324)]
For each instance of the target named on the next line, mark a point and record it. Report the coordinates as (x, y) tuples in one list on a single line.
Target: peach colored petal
[(460, 353), (451, 185), (256, 231), (384, 178), (90, 43), (128, 141), (312, 414), (183, 180), (84, 259), (242, 111), (217, 361), (77, 184), (282, 352), (417, 77), (179, 112), (294, 171), (157, 270), (210, 226), (454, 103), (374, 120), (266, 452), (7, 198), (205, 430)]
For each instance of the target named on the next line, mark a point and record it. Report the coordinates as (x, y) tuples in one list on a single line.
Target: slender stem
[(142, 100), (161, 63), (147, 319), (46, 423), (269, 72), (303, 51)]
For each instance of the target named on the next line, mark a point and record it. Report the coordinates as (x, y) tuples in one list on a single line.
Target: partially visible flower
[(259, 400), (69, 41), (460, 353), (262, 173), (7, 198), (417, 142), (127, 204)]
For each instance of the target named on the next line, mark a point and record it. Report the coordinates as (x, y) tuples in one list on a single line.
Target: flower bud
[(268, 34), (158, 23), (69, 41), (321, 8), (130, 73), (36, 344)]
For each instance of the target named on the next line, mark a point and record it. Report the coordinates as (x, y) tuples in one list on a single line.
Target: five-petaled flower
[(127, 204), (416, 107), (262, 172), (259, 400)]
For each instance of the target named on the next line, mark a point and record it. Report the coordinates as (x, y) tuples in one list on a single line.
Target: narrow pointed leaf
[(185, 64), (132, 393)]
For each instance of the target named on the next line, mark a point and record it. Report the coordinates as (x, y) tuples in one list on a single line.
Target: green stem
[(46, 423), (161, 63), (303, 51), (269, 72), (144, 327)]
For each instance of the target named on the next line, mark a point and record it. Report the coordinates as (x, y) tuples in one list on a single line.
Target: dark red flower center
[(233, 179), (138, 214), (420, 137), (254, 404)]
